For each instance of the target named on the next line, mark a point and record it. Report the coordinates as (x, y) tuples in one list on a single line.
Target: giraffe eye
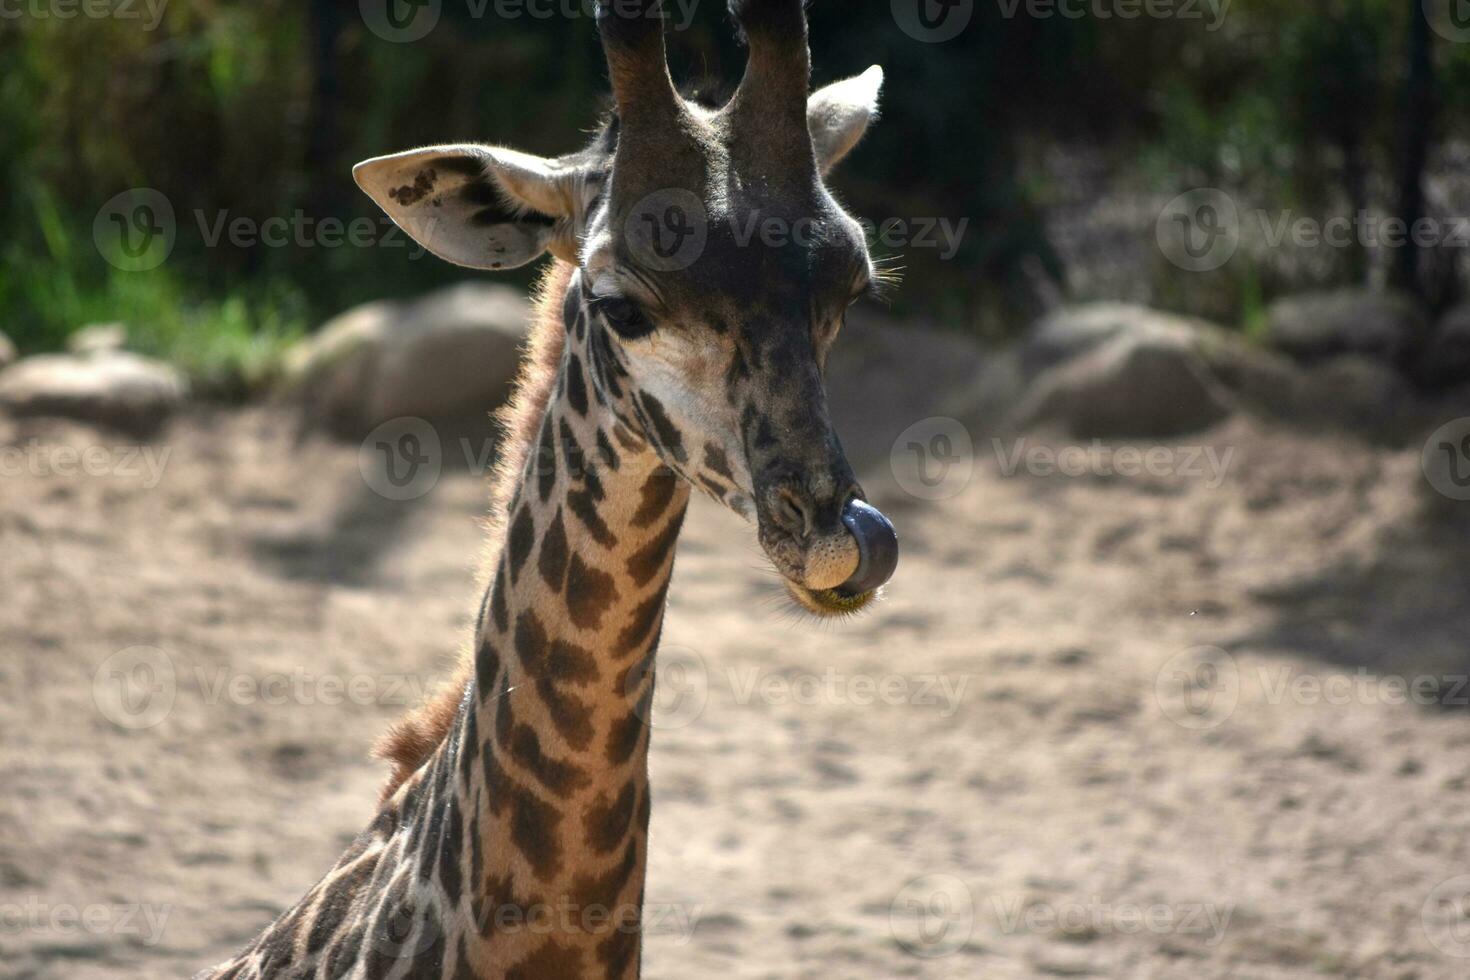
[(623, 316)]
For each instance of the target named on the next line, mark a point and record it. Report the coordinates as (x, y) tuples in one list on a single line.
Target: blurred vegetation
[(258, 109)]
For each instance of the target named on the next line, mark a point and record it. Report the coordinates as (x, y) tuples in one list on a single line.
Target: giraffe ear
[(482, 207), (840, 114)]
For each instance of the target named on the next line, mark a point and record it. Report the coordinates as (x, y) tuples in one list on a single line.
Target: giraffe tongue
[(877, 547)]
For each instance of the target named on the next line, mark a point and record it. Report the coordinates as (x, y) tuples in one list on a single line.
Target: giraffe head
[(715, 268)]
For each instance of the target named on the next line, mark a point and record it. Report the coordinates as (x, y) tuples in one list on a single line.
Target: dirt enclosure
[(1203, 722)]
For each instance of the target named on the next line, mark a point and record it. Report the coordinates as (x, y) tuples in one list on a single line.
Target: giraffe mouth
[(877, 544), (833, 603)]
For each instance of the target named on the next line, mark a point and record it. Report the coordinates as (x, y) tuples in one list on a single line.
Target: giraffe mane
[(413, 740)]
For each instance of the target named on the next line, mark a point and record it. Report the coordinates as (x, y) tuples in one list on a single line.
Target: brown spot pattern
[(553, 562), (642, 622), (654, 497), (646, 562), (411, 194), (590, 592), (552, 961), (522, 537), (717, 462), (608, 821), (585, 509)]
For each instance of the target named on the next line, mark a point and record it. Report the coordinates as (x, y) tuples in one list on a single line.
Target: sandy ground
[(1103, 726)]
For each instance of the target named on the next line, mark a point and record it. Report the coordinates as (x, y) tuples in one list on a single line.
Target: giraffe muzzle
[(877, 543)]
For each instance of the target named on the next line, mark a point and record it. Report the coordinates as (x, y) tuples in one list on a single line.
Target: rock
[(1073, 331), (1144, 384), (98, 338), (1314, 327), (448, 356), (120, 390), (1357, 394), (330, 374), (7, 352), (1259, 379), (1082, 377), (1446, 362)]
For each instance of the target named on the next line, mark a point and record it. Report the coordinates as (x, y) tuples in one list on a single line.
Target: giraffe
[(511, 839)]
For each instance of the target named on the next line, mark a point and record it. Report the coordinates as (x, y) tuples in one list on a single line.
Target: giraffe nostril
[(793, 512)]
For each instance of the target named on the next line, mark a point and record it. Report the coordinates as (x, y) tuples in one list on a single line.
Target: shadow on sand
[(1400, 614)]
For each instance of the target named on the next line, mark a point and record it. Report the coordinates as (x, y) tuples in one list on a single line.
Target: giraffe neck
[(517, 848), (553, 738)]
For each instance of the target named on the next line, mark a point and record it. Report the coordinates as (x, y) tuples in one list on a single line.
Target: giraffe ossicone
[(511, 840)]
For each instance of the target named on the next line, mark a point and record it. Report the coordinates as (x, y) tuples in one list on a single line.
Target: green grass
[(229, 346), (1252, 306)]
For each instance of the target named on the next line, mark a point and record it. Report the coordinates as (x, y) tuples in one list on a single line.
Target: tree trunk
[(324, 180), (1418, 125)]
